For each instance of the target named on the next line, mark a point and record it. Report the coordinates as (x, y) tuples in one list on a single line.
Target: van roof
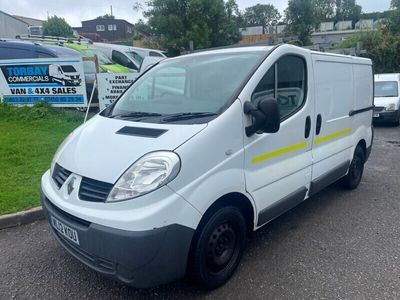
[(288, 46), (124, 47), (27, 45)]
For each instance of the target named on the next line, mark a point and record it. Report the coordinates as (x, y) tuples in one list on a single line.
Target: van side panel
[(334, 99)]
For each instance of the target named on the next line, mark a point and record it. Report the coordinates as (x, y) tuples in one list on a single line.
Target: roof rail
[(54, 39)]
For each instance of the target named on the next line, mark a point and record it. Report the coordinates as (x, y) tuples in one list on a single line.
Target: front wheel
[(356, 170), (218, 247)]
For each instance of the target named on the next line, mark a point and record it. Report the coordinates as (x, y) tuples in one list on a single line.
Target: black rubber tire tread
[(199, 271)]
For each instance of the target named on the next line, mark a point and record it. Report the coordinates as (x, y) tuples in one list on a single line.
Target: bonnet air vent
[(140, 131)]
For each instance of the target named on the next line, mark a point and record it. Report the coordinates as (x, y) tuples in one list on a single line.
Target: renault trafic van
[(387, 98), (201, 150)]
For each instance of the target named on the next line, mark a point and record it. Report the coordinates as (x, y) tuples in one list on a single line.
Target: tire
[(396, 123), (218, 247), (356, 170)]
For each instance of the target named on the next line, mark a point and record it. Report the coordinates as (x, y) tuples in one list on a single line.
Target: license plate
[(65, 230), (376, 115)]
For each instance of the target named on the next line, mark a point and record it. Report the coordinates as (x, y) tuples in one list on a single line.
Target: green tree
[(264, 15), (206, 23), (380, 46), (57, 26), (106, 16), (301, 18), (324, 10), (393, 22), (348, 10)]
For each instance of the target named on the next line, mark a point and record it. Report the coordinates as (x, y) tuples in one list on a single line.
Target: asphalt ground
[(338, 244)]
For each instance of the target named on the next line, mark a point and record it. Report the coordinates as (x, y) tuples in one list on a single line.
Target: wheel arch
[(236, 199), (363, 144)]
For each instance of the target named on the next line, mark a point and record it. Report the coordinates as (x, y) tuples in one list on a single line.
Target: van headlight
[(149, 173), (391, 106)]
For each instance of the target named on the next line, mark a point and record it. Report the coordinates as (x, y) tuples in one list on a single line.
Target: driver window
[(286, 82)]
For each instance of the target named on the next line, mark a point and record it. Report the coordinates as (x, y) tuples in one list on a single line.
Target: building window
[(100, 28), (129, 29), (112, 27)]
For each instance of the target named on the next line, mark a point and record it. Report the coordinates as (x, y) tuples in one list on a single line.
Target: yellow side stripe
[(269, 155), (332, 136)]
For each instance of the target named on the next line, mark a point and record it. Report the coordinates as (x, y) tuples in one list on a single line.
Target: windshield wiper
[(135, 114), (187, 116)]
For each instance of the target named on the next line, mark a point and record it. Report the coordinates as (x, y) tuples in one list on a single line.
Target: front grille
[(60, 175), (94, 190), (65, 214), (379, 108)]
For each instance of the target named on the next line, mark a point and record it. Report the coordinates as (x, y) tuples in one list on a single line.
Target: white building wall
[(11, 27)]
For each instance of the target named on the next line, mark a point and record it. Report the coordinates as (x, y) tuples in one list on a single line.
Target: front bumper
[(386, 116), (139, 258)]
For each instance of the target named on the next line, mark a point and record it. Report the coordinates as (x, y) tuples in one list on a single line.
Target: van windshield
[(137, 58), (195, 88), (103, 59), (68, 69), (386, 89)]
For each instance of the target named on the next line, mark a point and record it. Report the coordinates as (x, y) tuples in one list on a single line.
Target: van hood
[(95, 150), (385, 101)]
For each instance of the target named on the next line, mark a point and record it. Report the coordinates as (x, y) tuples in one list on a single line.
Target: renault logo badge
[(70, 186)]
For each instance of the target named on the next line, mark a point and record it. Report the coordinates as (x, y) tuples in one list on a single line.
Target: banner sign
[(111, 86), (59, 81)]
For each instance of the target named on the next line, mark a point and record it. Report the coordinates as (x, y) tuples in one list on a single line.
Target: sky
[(75, 11)]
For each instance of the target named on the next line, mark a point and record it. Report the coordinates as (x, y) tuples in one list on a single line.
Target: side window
[(121, 59), (286, 82), (15, 53)]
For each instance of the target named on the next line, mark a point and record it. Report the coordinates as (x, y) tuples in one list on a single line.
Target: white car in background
[(387, 98), (130, 57)]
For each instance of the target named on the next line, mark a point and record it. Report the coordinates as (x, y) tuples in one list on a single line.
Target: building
[(344, 25), (365, 24), (106, 29), (11, 26), (327, 26), (30, 21), (330, 38), (255, 30)]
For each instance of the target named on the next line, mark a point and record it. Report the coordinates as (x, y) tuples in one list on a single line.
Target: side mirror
[(266, 116)]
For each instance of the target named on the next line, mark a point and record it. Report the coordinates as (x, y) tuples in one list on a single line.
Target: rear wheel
[(356, 170), (218, 247)]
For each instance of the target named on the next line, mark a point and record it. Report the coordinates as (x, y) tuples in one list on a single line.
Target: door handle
[(319, 124), (308, 127)]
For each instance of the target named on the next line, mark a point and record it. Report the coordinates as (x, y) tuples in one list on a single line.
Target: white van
[(64, 74), (201, 150), (130, 57), (387, 98)]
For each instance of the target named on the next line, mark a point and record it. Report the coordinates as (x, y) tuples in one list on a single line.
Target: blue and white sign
[(59, 81)]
